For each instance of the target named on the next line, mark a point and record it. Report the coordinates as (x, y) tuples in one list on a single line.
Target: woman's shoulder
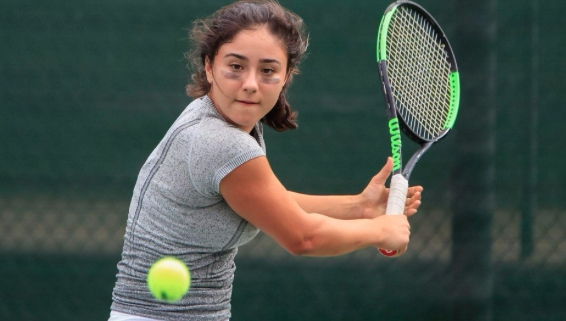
[(217, 133), (213, 132)]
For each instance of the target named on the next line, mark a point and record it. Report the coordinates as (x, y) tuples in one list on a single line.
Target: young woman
[(208, 188)]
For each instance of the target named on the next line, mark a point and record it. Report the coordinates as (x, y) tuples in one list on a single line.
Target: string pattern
[(419, 73)]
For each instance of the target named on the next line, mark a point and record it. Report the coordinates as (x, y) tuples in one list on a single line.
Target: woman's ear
[(288, 78), (208, 70)]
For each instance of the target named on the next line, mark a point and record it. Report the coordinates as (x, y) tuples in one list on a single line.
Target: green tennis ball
[(168, 279)]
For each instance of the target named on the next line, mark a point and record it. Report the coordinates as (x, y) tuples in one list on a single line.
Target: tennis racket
[(421, 87)]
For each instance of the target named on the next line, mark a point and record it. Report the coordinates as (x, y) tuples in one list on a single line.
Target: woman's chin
[(245, 124), (246, 121)]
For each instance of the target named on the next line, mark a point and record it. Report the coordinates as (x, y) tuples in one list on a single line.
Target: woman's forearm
[(343, 207), (327, 236)]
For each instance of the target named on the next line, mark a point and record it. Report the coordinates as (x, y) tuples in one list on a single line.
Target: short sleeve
[(216, 150)]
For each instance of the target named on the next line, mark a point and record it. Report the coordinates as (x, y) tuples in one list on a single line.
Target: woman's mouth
[(246, 102)]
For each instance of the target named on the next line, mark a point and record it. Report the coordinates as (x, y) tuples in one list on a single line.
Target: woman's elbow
[(305, 239), (301, 247)]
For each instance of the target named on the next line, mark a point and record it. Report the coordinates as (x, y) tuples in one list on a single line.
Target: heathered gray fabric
[(177, 210)]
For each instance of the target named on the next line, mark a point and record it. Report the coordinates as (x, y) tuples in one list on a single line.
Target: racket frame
[(396, 120)]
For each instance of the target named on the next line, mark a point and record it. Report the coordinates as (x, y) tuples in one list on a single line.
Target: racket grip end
[(388, 253)]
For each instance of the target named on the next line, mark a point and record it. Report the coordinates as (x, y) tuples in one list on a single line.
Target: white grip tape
[(397, 195)]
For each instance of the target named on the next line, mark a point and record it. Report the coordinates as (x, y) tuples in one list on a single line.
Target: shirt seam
[(149, 178)]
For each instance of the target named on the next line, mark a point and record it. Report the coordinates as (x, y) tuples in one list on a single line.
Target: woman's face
[(247, 76)]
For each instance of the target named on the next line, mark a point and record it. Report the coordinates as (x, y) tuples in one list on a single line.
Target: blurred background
[(88, 89)]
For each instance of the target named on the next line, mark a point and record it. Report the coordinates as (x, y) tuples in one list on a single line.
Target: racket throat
[(408, 169)]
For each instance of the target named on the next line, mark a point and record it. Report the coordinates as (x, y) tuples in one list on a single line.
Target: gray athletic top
[(177, 210)]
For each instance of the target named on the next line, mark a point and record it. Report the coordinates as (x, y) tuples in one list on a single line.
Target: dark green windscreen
[(88, 89)]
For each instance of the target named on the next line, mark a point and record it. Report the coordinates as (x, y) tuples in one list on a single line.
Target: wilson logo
[(395, 143)]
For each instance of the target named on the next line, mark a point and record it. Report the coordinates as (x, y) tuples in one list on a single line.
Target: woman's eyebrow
[(268, 60), (264, 60), (237, 56)]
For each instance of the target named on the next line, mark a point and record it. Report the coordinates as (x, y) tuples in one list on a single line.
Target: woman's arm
[(343, 207), (253, 191), (369, 204)]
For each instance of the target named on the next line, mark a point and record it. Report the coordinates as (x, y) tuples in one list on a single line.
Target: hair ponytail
[(281, 117)]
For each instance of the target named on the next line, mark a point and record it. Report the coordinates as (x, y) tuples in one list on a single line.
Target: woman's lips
[(247, 102)]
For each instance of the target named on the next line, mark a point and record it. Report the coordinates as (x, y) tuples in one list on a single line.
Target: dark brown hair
[(222, 26)]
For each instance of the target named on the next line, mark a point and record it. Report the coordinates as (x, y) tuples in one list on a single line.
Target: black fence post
[(473, 199)]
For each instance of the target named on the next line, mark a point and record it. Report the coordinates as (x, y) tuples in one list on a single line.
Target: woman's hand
[(373, 199), (394, 232)]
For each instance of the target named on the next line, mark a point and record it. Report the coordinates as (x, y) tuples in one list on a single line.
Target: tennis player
[(208, 188)]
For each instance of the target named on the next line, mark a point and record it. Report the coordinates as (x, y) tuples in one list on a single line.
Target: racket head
[(419, 73)]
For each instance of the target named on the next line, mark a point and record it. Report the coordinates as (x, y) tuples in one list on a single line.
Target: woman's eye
[(236, 67), (267, 71)]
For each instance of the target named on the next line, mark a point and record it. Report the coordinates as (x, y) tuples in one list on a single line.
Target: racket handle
[(396, 202), (397, 195)]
